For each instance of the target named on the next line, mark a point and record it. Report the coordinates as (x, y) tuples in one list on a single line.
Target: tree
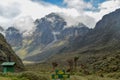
[(75, 61), (70, 63), (54, 64)]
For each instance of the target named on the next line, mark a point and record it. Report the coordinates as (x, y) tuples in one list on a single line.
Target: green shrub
[(32, 76), (114, 75)]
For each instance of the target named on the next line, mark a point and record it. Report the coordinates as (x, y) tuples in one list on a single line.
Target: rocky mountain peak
[(49, 31), (113, 18), (13, 36), (53, 17)]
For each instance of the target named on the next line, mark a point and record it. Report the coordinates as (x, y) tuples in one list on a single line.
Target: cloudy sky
[(22, 13)]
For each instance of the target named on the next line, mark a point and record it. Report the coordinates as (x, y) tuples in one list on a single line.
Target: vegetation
[(6, 51), (22, 76), (54, 64), (75, 62), (95, 56), (44, 71)]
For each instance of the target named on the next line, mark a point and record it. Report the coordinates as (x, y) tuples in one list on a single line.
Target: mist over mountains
[(49, 31), (51, 36)]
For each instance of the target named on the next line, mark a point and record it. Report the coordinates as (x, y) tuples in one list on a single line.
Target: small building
[(8, 67)]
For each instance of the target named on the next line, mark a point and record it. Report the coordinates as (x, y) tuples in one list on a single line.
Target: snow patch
[(55, 37), (51, 19)]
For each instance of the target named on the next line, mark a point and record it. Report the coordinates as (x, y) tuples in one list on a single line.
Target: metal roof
[(8, 63)]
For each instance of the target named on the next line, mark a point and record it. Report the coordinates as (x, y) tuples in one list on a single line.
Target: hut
[(8, 67)]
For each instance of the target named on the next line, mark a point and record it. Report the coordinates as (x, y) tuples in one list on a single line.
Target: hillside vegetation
[(6, 54)]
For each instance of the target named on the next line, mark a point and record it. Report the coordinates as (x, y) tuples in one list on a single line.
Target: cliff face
[(50, 35), (6, 54), (13, 36), (105, 35)]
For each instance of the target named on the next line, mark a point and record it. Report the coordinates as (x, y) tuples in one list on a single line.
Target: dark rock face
[(58, 22), (45, 28), (72, 32), (13, 36), (51, 28), (108, 29), (105, 34), (6, 51), (49, 31)]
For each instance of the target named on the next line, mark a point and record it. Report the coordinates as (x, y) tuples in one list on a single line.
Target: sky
[(23, 13)]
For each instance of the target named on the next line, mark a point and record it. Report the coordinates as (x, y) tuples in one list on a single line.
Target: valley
[(83, 52)]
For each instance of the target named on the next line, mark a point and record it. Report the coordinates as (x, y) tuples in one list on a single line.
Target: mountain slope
[(99, 49), (6, 51), (1, 30), (105, 34), (13, 36), (51, 35)]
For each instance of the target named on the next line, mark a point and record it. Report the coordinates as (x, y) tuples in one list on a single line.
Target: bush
[(32, 76), (114, 75)]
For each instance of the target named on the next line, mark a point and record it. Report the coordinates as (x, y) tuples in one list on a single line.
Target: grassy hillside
[(6, 51), (44, 72)]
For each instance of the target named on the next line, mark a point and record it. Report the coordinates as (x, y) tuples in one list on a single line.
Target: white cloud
[(105, 8), (87, 20), (33, 9), (74, 12), (9, 11), (23, 23), (78, 4)]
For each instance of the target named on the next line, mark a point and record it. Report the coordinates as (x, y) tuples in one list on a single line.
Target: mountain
[(13, 36), (51, 34), (74, 31), (47, 28), (63, 39), (99, 49), (6, 54), (105, 34), (1, 30)]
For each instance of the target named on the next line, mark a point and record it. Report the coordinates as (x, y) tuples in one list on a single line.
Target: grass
[(46, 70), (46, 76), (27, 75), (3, 78), (43, 72)]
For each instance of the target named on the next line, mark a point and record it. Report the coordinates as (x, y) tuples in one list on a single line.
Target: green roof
[(8, 63)]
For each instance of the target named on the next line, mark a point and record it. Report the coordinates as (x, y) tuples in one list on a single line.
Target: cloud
[(33, 9), (22, 24), (9, 11), (71, 21), (12, 12), (80, 5), (105, 8)]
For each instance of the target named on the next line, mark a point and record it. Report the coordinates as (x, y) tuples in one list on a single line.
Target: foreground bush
[(32, 76), (28, 75), (114, 75)]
